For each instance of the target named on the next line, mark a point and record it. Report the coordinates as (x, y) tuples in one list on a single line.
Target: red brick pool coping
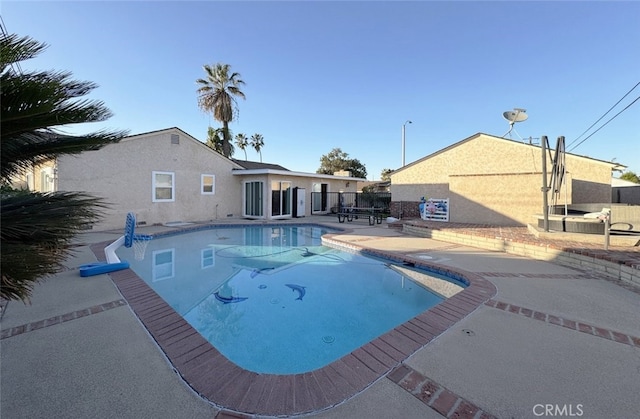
[(229, 386), (580, 326), (434, 395)]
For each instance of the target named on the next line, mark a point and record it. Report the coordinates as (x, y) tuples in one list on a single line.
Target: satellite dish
[(516, 115)]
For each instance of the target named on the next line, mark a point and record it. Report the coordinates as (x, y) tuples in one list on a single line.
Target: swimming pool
[(274, 300)]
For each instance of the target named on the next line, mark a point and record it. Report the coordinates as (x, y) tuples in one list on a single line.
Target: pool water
[(273, 299)]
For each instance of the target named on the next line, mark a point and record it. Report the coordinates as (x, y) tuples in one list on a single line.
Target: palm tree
[(216, 94), (242, 142), (257, 142), (214, 140), (37, 228)]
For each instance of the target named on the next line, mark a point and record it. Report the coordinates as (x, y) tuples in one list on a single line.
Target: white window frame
[(213, 184), (153, 186), (207, 258), (165, 270), (46, 180), (316, 187), (285, 192)]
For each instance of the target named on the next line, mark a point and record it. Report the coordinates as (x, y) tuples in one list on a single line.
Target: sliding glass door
[(319, 197), (280, 198), (253, 192)]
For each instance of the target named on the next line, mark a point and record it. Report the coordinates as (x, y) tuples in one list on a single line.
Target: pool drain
[(328, 339), (262, 286), (468, 332)]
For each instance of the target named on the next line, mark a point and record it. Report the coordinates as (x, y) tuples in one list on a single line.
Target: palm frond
[(14, 49), (21, 152), (37, 100), (37, 228), (216, 95), (32, 105), (36, 235)]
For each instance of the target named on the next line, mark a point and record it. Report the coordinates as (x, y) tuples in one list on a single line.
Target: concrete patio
[(553, 341)]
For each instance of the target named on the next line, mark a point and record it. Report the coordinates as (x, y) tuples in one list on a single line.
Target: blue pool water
[(273, 299)]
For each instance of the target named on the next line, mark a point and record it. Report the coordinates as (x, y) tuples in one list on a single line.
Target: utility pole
[(545, 188), (403, 130)]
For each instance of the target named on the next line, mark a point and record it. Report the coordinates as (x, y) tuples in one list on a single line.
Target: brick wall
[(405, 209), (573, 259)]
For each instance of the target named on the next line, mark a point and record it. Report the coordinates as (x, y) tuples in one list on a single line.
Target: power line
[(4, 33), (605, 114), (603, 125)]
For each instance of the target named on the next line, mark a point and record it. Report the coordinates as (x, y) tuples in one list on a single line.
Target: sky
[(328, 74)]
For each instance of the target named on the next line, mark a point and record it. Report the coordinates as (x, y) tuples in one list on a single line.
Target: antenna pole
[(508, 132), (545, 188)]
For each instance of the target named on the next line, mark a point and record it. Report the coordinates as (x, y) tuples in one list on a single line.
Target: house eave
[(613, 165), (253, 172)]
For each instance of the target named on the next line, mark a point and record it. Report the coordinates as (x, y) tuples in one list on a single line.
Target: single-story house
[(169, 176), (493, 180)]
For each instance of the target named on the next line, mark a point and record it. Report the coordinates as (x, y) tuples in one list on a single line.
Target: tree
[(214, 141), (217, 94), (630, 176), (242, 142), (338, 160), (257, 142), (357, 169), (37, 228), (385, 175)]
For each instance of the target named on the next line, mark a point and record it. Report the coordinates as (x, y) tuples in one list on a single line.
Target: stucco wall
[(481, 155), (590, 180), (491, 180), (495, 199), (122, 174)]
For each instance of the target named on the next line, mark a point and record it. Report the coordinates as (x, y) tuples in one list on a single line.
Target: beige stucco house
[(169, 176), (493, 180), (39, 177)]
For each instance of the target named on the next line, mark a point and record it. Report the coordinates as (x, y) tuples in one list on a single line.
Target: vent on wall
[(175, 139)]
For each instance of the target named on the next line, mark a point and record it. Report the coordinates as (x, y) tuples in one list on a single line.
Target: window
[(208, 185), (163, 187), (163, 266), (46, 180), (207, 259)]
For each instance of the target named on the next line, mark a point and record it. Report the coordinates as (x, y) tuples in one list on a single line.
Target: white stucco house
[(169, 176)]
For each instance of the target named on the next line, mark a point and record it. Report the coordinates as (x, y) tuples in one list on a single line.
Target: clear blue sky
[(321, 75)]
